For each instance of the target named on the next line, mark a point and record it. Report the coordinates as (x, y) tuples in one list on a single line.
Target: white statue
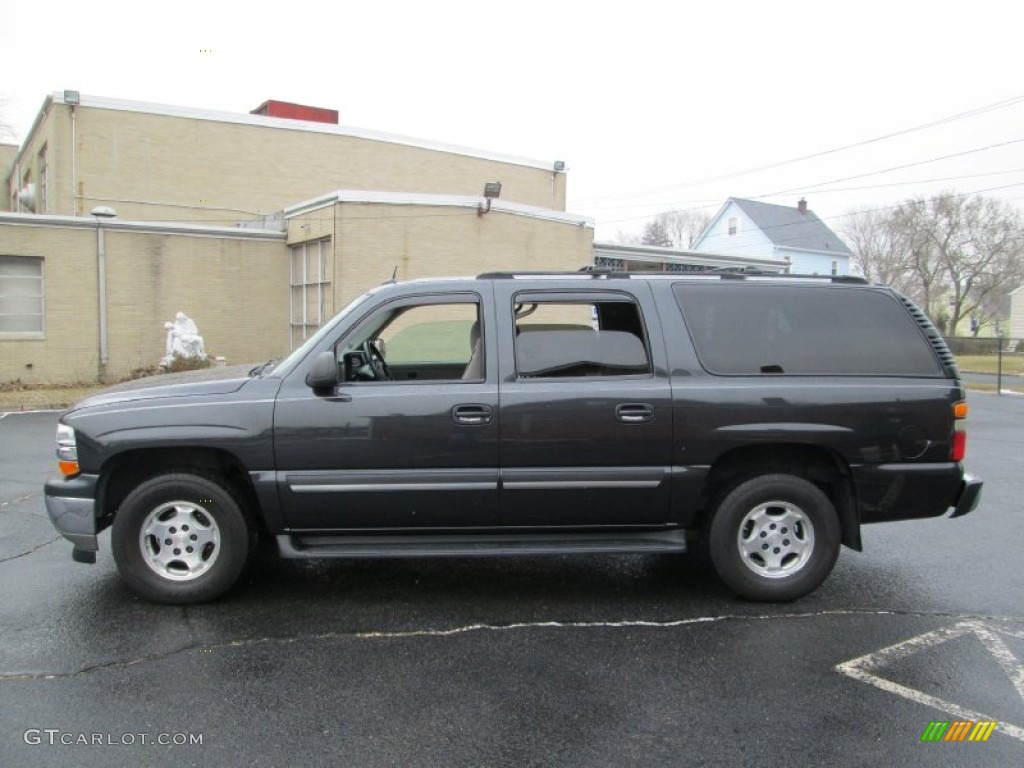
[(183, 340)]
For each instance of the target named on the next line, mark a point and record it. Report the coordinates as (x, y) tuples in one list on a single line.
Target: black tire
[(774, 538), (204, 544)]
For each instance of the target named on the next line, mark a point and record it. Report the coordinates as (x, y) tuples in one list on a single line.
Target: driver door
[(409, 444)]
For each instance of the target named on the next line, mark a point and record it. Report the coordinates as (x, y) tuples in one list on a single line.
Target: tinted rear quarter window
[(751, 328)]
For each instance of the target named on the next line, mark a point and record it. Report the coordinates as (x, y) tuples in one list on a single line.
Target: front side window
[(21, 297), (556, 339), (413, 341)]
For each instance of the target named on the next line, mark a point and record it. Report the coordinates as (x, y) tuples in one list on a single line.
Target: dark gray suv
[(761, 418)]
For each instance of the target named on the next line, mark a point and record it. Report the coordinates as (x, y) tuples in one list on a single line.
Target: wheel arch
[(825, 468), (125, 471)]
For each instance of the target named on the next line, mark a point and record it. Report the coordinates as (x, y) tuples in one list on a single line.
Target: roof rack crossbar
[(724, 273)]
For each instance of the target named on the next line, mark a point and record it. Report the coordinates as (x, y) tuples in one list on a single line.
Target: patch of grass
[(442, 341), (18, 395), (1013, 364), (43, 397)]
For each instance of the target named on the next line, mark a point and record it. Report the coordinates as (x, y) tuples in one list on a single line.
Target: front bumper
[(970, 495), (71, 505)]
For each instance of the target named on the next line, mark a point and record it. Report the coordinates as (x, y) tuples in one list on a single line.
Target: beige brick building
[(230, 219), (166, 163), (49, 280)]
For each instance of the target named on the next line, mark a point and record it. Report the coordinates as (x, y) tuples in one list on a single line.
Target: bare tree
[(684, 227), (956, 256), (626, 238), (655, 234), (979, 244), (6, 128), (881, 250)]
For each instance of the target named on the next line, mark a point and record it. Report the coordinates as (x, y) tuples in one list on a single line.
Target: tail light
[(959, 431)]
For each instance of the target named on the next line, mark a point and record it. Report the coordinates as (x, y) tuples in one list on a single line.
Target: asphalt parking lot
[(564, 661)]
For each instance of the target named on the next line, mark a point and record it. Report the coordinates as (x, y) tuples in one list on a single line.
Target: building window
[(309, 289), (607, 262), (835, 267), (41, 166), (21, 297), (733, 225)]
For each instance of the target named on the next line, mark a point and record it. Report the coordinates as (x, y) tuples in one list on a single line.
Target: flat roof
[(124, 225), (423, 198), (244, 118), (655, 253)]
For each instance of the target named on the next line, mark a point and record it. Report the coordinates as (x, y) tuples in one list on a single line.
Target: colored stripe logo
[(958, 730)]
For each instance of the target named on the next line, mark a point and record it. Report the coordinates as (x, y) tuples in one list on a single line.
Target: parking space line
[(863, 668)]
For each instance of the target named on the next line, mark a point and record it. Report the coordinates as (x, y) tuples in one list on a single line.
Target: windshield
[(283, 368)]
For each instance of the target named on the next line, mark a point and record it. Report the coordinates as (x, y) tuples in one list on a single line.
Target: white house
[(752, 229), (1016, 329)]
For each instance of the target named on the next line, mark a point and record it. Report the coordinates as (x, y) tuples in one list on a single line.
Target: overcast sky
[(653, 105)]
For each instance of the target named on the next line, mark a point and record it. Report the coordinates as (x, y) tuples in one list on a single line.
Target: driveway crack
[(194, 646), (31, 551)]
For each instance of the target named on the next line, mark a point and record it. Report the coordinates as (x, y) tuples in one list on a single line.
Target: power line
[(1005, 103), (896, 167), (805, 187)]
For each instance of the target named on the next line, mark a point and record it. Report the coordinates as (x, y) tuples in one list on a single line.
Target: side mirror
[(324, 372)]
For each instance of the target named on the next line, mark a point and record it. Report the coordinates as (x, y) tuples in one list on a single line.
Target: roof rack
[(724, 273)]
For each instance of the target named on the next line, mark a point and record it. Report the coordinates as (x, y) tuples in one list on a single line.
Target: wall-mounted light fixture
[(492, 190), (559, 166)]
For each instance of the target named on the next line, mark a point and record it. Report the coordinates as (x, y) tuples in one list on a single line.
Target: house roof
[(789, 228)]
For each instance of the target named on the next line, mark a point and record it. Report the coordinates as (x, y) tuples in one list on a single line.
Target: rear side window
[(749, 329), (579, 338)]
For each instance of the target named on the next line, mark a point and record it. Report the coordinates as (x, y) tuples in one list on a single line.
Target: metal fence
[(991, 360)]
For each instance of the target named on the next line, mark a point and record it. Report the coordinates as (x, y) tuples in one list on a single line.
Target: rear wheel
[(181, 538), (774, 538)]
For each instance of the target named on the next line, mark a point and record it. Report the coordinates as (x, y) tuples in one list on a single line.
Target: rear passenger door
[(585, 408)]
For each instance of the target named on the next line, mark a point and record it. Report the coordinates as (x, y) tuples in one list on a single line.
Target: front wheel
[(181, 538), (774, 538)]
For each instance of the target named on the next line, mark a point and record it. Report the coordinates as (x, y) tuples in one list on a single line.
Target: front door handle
[(634, 413), (472, 415)]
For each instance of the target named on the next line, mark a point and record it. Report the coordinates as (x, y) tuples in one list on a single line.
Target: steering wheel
[(375, 359)]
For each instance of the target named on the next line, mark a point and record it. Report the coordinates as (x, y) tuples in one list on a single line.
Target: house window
[(835, 267), (309, 286), (41, 166), (733, 225), (21, 297)]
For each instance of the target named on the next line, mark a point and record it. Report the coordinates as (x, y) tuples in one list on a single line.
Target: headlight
[(67, 450)]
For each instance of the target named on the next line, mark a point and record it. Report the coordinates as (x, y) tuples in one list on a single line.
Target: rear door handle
[(634, 413), (472, 415)]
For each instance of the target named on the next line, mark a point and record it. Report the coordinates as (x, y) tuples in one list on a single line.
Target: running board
[(427, 545)]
